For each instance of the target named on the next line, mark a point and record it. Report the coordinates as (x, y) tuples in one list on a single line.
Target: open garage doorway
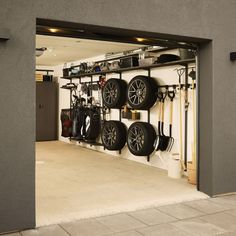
[(126, 122)]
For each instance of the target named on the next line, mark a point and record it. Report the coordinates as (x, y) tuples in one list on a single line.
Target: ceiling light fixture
[(53, 30), (141, 39)]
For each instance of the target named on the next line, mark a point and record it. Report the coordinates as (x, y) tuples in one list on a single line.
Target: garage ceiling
[(61, 49)]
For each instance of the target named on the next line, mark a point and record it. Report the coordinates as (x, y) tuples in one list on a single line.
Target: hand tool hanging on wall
[(161, 141), (171, 95), (158, 140), (180, 73), (165, 138), (186, 106), (192, 164), (193, 75)]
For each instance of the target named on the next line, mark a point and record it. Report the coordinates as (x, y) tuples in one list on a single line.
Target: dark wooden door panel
[(46, 111)]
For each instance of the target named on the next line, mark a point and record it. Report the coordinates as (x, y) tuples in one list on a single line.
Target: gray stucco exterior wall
[(210, 19)]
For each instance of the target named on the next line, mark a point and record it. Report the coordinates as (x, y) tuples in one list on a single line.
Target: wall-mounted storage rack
[(120, 70), (185, 63), (132, 54)]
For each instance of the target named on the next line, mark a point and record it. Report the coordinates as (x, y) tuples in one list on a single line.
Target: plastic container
[(174, 168)]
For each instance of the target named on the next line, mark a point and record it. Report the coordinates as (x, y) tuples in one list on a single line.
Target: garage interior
[(78, 177)]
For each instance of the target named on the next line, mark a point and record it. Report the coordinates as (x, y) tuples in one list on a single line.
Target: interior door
[(46, 111)]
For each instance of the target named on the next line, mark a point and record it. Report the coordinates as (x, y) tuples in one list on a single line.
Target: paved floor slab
[(223, 220), (198, 227), (162, 230), (180, 211), (86, 228), (207, 206), (152, 216), (120, 222), (128, 233)]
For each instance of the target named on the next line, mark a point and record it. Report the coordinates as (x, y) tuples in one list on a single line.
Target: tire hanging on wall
[(113, 135), (142, 92), (114, 93), (140, 138)]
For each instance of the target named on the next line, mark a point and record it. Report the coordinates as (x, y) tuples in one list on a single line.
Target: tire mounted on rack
[(142, 92), (114, 93), (140, 138), (113, 135)]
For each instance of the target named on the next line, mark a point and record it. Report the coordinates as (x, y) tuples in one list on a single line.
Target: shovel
[(171, 95), (165, 139), (158, 140)]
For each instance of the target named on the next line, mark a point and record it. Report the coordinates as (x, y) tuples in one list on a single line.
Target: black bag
[(92, 125), (167, 58), (79, 122)]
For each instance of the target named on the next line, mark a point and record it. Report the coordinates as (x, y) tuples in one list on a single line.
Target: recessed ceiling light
[(53, 30), (141, 39)]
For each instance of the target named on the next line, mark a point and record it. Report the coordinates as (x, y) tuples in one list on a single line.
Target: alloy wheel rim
[(137, 92), (136, 138)]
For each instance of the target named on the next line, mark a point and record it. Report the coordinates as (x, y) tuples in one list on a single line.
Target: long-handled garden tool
[(158, 140), (171, 95), (165, 139), (180, 74), (192, 164)]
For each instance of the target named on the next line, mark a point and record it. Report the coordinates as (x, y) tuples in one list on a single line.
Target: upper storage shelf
[(173, 63)]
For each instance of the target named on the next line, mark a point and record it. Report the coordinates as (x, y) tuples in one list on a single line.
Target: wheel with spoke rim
[(110, 135), (137, 92), (136, 138), (141, 92), (113, 135), (140, 138), (114, 93)]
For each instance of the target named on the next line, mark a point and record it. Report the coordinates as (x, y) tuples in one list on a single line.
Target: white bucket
[(174, 168)]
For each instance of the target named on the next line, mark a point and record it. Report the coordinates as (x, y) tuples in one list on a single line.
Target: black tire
[(114, 93), (140, 138), (92, 125), (113, 135), (142, 92)]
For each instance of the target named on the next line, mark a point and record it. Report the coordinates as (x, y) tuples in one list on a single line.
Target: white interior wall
[(164, 75)]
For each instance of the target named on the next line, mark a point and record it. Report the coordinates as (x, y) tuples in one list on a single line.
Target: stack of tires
[(141, 94)]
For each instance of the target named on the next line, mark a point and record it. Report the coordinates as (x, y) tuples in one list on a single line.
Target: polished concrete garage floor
[(75, 183)]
